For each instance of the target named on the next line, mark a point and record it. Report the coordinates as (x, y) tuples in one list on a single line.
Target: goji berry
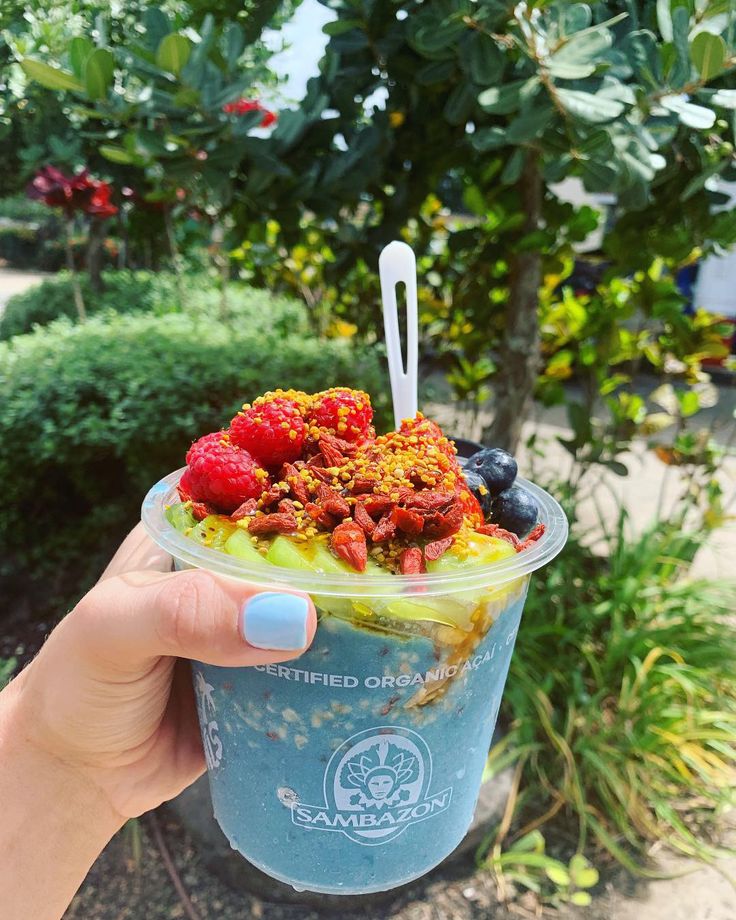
[(272, 523), (348, 542), (531, 538), (493, 530), (378, 504), (201, 510), (332, 501), (385, 529), (436, 548), (410, 522), (426, 499), (363, 518), (411, 561), (248, 507)]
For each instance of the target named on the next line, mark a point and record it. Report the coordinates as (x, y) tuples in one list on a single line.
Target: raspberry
[(343, 412), (222, 474), (272, 432), (427, 430)]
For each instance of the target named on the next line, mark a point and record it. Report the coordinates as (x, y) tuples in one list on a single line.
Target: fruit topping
[(515, 510), (497, 467)]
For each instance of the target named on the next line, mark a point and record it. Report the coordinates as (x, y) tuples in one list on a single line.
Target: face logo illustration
[(376, 784), (210, 732)]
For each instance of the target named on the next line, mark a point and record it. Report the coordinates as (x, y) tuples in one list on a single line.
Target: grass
[(622, 701)]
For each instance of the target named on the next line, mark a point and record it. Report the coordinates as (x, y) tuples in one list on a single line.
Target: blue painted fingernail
[(275, 621)]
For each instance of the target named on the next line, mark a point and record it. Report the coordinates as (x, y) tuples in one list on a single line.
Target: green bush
[(19, 207), (622, 700), (93, 414), (145, 292)]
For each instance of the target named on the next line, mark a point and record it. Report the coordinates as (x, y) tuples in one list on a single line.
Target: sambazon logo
[(376, 784)]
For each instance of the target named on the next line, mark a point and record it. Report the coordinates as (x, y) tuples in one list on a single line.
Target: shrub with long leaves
[(622, 699)]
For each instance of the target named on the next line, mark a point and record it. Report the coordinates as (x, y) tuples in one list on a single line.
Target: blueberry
[(478, 487), (496, 466), (515, 510)]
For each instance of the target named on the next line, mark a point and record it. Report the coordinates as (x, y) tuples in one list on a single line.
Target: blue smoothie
[(356, 768)]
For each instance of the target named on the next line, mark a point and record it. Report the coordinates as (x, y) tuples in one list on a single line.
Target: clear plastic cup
[(356, 767)]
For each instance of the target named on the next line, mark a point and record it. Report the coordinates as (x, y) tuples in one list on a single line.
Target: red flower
[(243, 106), (99, 204), (72, 193)]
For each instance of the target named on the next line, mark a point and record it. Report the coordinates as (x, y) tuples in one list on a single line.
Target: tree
[(497, 101)]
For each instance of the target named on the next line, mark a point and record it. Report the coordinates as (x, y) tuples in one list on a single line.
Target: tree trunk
[(175, 257), (94, 255), (514, 383), (76, 289)]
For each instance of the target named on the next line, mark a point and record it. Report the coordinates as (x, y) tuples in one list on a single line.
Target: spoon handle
[(396, 265)]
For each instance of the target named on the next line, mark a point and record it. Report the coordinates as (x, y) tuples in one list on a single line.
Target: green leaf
[(532, 842), (460, 103), (474, 200), (664, 19), (529, 125), (726, 98), (234, 43), (578, 57), (117, 155), (694, 116), (173, 53), (576, 17), (502, 99), (485, 59), (341, 25), (79, 50), (708, 53), (50, 77), (558, 874), (689, 403), (436, 72), (348, 42), (439, 36), (512, 170), (98, 73), (157, 26), (680, 73), (580, 898), (589, 106), (587, 878), (488, 138)]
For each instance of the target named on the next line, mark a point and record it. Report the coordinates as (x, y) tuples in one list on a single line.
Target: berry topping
[(515, 510), (272, 432), (477, 485), (343, 412), (348, 542), (222, 474), (496, 466), (312, 468)]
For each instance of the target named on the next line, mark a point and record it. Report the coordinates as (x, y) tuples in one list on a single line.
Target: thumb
[(127, 620)]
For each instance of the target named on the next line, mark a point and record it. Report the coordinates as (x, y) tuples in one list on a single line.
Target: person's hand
[(108, 697)]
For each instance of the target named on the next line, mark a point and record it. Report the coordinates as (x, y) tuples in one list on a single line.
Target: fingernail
[(275, 621)]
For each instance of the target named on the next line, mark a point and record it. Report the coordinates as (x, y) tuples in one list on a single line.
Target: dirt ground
[(123, 886)]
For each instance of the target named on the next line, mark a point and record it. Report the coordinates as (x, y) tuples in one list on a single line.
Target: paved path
[(13, 281)]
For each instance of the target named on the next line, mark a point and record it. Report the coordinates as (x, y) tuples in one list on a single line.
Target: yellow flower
[(396, 119)]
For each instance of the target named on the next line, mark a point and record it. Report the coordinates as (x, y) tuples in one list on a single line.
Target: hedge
[(91, 415), (144, 292)]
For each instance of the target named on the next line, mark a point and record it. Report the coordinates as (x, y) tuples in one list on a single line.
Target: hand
[(108, 696)]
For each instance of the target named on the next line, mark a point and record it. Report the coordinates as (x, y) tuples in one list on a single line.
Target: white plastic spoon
[(396, 265)]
